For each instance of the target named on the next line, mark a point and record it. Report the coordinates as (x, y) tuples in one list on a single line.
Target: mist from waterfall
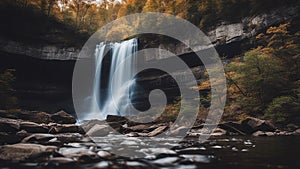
[(109, 103)]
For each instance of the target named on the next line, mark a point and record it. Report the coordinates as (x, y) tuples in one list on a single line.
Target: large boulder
[(23, 152), (251, 125), (63, 118)]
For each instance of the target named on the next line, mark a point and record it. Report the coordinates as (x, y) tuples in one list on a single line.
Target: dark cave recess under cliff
[(46, 85)]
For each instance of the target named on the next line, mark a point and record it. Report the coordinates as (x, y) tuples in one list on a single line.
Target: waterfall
[(105, 104)]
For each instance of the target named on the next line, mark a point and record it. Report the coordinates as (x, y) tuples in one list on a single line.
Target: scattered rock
[(117, 119), (134, 164), (297, 132), (62, 117), (82, 155), (259, 133), (251, 125), (34, 116), (60, 161), (292, 127), (66, 128), (219, 132), (270, 133), (232, 128), (157, 131), (102, 164), (166, 161), (196, 158), (32, 127), (9, 125), (104, 154), (99, 130), (182, 131), (6, 138), (38, 138), (132, 134), (47, 139), (140, 128), (22, 152), (86, 126)]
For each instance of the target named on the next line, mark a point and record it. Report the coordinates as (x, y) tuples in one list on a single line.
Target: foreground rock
[(61, 117), (23, 152)]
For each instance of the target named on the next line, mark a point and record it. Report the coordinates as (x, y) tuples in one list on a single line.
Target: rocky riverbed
[(32, 139)]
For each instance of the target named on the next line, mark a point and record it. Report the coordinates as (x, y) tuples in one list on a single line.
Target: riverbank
[(42, 140)]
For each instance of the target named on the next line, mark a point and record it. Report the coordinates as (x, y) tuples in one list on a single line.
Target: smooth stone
[(104, 154), (219, 132), (157, 151), (216, 147), (259, 133), (166, 161), (196, 158), (156, 131), (134, 164), (102, 164), (58, 161), (99, 131)]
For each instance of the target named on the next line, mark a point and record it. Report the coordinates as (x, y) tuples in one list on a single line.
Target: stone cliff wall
[(223, 34)]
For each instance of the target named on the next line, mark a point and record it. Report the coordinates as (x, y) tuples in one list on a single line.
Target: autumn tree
[(267, 80)]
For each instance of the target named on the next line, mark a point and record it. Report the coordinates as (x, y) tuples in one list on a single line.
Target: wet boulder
[(251, 125), (62, 117)]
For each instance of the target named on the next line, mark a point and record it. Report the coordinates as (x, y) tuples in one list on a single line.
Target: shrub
[(281, 109)]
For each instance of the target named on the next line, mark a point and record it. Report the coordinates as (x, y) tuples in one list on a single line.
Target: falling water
[(104, 104)]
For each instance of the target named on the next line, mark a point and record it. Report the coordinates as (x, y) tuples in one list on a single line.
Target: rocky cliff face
[(224, 34), (48, 52), (229, 33), (44, 72)]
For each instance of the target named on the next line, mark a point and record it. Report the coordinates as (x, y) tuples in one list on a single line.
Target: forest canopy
[(90, 15)]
